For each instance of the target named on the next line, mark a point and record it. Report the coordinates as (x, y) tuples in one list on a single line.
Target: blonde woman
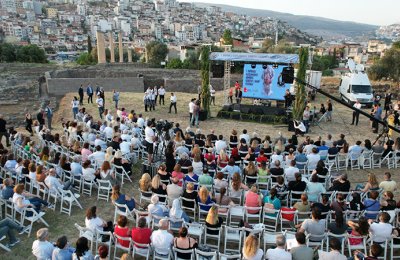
[(64, 141), (213, 220), (109, 154), (279, 146), (251, 249), (204, 198), (372, 184), (178, 138), (145, 182), (76, 148), (157, 187), (222, 159), (237, 186), (197, 165)]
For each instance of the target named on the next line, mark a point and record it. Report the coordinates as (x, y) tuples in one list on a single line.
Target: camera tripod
[(383, 135)]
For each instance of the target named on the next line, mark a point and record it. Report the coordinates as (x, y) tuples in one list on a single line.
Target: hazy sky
[(381, 12)]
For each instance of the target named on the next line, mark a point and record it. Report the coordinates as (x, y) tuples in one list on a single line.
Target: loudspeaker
[(245, 110), (288, 75), (236, 107), (227, 108), (217, 70)]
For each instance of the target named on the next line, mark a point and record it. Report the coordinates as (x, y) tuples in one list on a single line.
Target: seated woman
[(304, 205), (213, 220), (233, 139), (82, 250), (314, 188), (253, 199), (372, 184), (164, 175), (204, 198), (189, 193), (106, 173), (119, 198), (211, 166), (222, 159), (177, 213), (178, 174), (157, 187), (251, 249), (20, 201), (197, 165), (237, 186), (222, 200), (320, 170), (119, 161), (145, 182), (122, 230), (155, 208), (89, 173), (250, 156), (360, 228), (219, 181), (387, 202), (243, 148), (250, 170), (272, 202), (184, 242), (191, 176), (356, 203), (235, 154), (64, 163), (141, 234), (290, 157), (209, 155), (338, 227), (93, 222)]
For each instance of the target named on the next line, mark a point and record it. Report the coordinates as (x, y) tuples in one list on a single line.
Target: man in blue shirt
[(300, 158), (377, 116), (231, 168), (89, 92), (8, 190)]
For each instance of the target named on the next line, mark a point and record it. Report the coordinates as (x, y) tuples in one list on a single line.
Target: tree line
[(15, 53), (388, 67)]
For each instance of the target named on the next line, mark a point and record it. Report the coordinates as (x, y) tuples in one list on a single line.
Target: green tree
[(388, 66), (174, 64), (299, 103), (156, 52), (191, 62), (7, 52), (267, 46), (89, 44), (31, 53), (85, 59), (205, 80), (227, 37)]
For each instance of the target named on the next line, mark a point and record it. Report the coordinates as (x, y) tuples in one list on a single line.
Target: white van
[(355, 85)]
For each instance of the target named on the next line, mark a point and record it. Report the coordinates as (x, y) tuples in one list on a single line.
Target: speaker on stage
[(288, 75), (236, 107)]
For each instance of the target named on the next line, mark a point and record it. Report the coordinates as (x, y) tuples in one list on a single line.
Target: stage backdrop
[(263, 82)]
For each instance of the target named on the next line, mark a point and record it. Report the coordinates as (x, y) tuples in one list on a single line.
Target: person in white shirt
[(161, 239), (41, 247), (382, 231), (388, 184), (313, 159), (245, 136), (191, 109), (125, 136), (99, 156), (55, 184), (356, 114), (279, 252), (291, 171), (88, 173), (100, 142), (93, 222), (161, 93), (220, 144), (135, 142), (100, 105), (140, 121), (149, 138), (108, 131), (76, 167), (125, 147), (251, 249), (173, 103), (212, 94)]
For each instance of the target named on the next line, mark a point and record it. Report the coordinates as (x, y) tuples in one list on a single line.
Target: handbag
[(289, 217)]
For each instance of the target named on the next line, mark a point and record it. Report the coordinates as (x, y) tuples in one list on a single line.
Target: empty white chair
[(104, 189), (200, 255)]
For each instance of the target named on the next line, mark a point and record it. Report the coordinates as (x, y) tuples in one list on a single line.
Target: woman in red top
[(261, 157), (178, 174), (122, 230), (253, 199), (141, 234)]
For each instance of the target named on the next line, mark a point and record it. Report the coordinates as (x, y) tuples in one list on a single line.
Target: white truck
[(355, 85), (313, 78)]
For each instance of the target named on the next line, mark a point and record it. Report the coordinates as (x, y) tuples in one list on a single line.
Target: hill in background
[(327, 28)]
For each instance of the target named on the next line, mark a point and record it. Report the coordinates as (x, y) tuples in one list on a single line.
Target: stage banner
[(263, 82)]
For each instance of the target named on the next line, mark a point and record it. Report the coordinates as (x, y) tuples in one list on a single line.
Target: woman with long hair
[(320, 170), (178, 138), (223, 200), (157, 187), (222, 159), (235, 154), (76, 147), (272, 202), (82, 250), (236, 185), (106, 173), (213, 220), (204, 198), (184, 242), (250, 170), (361, 228), (178, 174), (338, 227), (93, 222), (170, 157), (197, 165), (163, 173), (145, 182), (64, 164), (251, 249), (372, 184), (119, 198), (219, 181), (45, 154), (109, 154)]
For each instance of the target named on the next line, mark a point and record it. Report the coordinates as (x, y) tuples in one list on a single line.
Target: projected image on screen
[(263, 82)]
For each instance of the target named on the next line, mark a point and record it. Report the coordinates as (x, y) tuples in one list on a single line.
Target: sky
[(381, 12)]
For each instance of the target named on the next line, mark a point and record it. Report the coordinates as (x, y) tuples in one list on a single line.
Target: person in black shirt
[(290, 145), (80, 92), (3, 130), (341, 141), (341, 184), (334, 149), (297, 185), (213, 136), (323, 206), (276, 171), (177, 129)]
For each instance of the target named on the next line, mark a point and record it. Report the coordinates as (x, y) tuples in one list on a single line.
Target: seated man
[(6, 229), (335, 247), (382, 231), (314, 226), (372, 204), (279, 252), (55, 184), (388, 184), (8, 189), (301, 251), (162, 239), (76, 167)]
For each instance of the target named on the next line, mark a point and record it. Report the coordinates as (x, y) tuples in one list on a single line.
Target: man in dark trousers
[(3, 130), (80, 92), (89, 92), (356, 114)]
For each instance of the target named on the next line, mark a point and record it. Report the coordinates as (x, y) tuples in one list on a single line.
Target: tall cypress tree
[(301, 95), (205, 80)]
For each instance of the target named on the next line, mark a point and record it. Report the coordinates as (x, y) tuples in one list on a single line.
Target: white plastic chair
[(118, 246), (104, 190), (232, 236), (69, 198)]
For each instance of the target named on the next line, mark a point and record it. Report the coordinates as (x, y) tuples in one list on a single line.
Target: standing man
[(156, 94), (191, 107), (40, 119), (388, 102), (146, 101), (329, 111), (377, 116), (161, 93), (80, 92), (212, 93), (306, 118), (153, 98), (89, 92), (49, 114), (3, 130), (356, 114), (100, 105), (116, 98), (173, 103)]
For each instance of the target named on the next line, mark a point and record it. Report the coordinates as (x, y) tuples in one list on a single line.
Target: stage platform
[(256, 113)]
